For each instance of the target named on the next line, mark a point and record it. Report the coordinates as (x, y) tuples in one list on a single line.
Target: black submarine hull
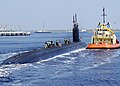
[(43, 53)]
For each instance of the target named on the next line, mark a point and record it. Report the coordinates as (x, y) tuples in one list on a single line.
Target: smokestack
[(75, 29)]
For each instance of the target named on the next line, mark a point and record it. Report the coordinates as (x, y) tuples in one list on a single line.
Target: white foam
[(90, 67), (5, 56), (8, 55), (66, 54), (62, 55), (97, 65), (51, 58), (78, 50), (23, 51), (6, 70)]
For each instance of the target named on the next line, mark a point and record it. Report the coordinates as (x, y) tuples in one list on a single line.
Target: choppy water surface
[(80, 67)]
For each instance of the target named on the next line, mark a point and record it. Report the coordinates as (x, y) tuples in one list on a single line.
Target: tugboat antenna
[(104, 15)]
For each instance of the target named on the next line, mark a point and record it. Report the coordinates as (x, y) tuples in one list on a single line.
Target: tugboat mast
[(104, 15)]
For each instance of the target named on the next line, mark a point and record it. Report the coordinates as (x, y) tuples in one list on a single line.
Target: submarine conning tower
[(75, 29)]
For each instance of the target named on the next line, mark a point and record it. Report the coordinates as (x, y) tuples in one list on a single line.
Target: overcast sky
[(30, 14)]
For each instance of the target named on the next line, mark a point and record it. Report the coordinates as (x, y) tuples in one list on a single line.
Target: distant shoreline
[(91, 30)]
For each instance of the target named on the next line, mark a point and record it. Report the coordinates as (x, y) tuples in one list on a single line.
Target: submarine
[(46, 53)]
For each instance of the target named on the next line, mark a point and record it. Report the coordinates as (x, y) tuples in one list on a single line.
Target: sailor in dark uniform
[(58, 43)]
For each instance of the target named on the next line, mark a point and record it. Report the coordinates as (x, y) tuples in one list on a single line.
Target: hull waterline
[(42, 54), (103, 46)]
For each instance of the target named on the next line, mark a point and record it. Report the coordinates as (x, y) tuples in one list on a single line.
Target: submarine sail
[(75, 29)]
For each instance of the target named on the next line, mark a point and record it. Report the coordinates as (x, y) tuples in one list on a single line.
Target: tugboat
[(104, 37)]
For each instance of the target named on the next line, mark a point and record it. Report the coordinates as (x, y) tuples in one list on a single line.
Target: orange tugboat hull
[(103, 46)]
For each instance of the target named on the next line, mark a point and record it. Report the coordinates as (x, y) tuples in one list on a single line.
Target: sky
[(57, 14)]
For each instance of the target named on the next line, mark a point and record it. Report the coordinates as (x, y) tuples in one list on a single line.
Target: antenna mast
[(75, 20), (104, 15)]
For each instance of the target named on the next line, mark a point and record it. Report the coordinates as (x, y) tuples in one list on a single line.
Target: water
[(80, 67)]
